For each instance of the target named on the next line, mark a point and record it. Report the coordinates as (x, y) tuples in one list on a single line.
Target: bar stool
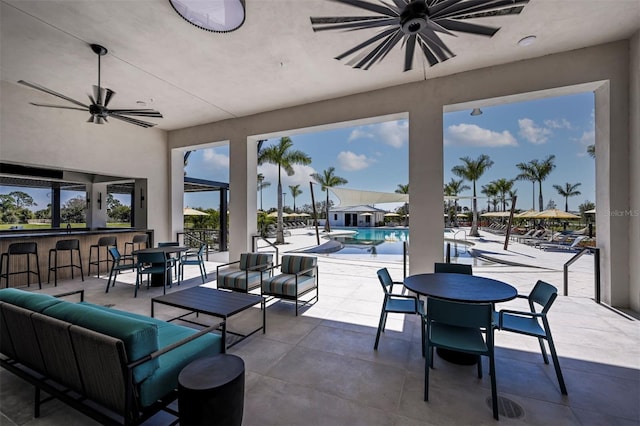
[(20, 249), (62, 246), (105, 242), (135, 244)]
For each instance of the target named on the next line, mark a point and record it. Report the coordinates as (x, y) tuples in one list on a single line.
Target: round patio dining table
[(460, 288)]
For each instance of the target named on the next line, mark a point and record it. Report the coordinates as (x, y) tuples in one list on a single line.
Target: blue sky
[(375, 157)]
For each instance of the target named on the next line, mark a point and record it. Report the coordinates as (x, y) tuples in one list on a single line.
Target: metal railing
[(254, 245), (196, 237), (596, 270)]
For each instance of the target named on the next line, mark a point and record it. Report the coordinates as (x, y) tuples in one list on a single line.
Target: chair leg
[(80, 262), (383, 317), (38, 270), (556, 364), (494, 388), (109, 281), (428, 364), (542, 349), (479, 367), (135, 292), (424, 337)]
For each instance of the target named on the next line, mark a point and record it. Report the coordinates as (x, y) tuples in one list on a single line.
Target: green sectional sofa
[(124, 362)]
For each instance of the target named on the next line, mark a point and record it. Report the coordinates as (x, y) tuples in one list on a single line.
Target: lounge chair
[(574, 246)]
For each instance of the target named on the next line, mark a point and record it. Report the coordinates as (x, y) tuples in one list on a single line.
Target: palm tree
[(591, 150), (284, 157), (261, 185), (503, 186), (538, 171), (295, 191), (472, 170), (328, 179), (404, 210), (491, 191), (568, 190), (453, 189), (527, 174)]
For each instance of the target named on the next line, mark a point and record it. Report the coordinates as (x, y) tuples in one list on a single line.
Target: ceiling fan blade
[(431, 58), (367, 60), (466, 27), (400, 3), (133, 121), (359, 25), (436, 44), (92, 99), (369, 6), (108, 96), (408, 56), (389, 44), (57, 106), (90, 120), (138, 112), (470, 8), (51, 92), (98, 120), (366, 43)]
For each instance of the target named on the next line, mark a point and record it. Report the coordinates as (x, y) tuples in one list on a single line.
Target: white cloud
[(351, 161), (562, 123), (392, 133), (359, 133), (532, 133), (210, 156), (588, 138), (473, 135)]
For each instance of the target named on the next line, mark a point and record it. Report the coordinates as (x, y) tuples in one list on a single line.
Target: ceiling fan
[(414, 22), (99, 101)]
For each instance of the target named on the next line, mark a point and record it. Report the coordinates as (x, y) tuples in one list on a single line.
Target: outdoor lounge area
[(321, 368), (274, 75)]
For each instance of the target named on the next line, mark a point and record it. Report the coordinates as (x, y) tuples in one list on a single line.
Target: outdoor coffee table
[(210, 301)]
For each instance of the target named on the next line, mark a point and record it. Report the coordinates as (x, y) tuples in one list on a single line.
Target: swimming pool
[(371, 242)]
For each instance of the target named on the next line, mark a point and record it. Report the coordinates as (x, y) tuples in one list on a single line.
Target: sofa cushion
[(165, 378), (36, 302), (285, 284), (294, 264), (235, 279), (140, 337), (250, 260)]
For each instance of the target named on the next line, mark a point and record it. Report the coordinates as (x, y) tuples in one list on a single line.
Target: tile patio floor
[(320, 368)]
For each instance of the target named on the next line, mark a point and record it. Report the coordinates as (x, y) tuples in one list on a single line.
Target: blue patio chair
[(528, 323), (119, 263), (196, 258), (397, 303), (462, 327), (453, 268), (153, 263)]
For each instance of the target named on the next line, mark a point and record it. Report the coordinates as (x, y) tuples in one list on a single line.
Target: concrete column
[(243, 207), (139, 204), (177, 193), (97, 206)]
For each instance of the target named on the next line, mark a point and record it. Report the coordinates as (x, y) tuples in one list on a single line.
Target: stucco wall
[(605, 68), (62, 139), (634, 166)]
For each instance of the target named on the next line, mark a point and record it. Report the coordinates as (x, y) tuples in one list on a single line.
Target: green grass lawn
[(7, 226)]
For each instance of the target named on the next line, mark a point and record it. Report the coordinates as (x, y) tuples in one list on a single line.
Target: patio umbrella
[(592, 211), (555, 214), (366, 214), (391, 215), (495, 214), (301, 214), (526, 214), (188, 211), (275, 214)]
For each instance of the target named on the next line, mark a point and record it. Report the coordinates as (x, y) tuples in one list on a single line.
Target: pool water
[(386, 241)]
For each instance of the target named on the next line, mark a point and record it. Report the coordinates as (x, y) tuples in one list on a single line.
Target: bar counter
[(47, 239)]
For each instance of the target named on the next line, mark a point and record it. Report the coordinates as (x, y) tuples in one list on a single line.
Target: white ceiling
[(274, 60)]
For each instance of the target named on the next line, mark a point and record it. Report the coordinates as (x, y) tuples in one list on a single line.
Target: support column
[(55, 205), (97, 206), (139, 209), (243, 221), (224, 231)]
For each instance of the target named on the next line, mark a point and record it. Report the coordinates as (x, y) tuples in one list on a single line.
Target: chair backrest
[(158, 257), (106, 241), (544, 295), (68, 245), (249, 260), (385, 280), (577, 241), (460, 314), (23, 248), (292, 264), (453, 268), (140, 238), (168, 244), (115, 254)]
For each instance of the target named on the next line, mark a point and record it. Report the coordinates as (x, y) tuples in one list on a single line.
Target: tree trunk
[(327, 227), (280, 226), (474, 222), (540, 201)]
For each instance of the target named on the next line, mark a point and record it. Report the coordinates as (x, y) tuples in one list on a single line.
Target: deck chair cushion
[(250, 260), (237, 279), (295, 264), (285, 284)]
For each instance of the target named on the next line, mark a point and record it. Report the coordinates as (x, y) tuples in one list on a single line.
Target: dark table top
[(166, 250), (210, 301), (460, 287)]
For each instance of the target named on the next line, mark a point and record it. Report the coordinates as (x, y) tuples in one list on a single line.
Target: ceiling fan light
[(527, 41), (219, 16)]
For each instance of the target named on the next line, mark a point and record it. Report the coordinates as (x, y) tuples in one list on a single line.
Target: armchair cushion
[(255, 261), (250, 270), (294, 264), (36, 302), (285, 284)]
